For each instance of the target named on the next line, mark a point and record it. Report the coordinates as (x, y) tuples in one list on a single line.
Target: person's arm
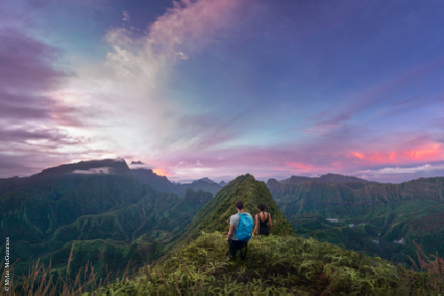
[(269, 221), (255, 226), (230, 233)]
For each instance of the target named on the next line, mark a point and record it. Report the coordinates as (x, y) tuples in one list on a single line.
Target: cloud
[(189, 27), (222, 87), (27, 63), (401, 173), (167, 115), (406, 101), (404, 170), (139, 82), (33, 122), (126, 17), (316, 157)]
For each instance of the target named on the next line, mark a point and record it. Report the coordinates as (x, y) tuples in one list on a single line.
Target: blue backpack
[(245, 228)]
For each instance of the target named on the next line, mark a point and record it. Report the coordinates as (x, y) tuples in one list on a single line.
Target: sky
[(220, 88)]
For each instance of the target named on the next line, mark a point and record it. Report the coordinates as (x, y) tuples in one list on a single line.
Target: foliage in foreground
[(275, 265)]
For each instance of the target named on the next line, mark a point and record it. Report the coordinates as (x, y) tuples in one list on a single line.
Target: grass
[(42, 280), (275, 265)]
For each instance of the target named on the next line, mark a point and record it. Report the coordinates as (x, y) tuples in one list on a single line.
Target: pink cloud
[(190, 26), (431, 152), (311, 159)]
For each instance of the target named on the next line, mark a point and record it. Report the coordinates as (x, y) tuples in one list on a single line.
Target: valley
[(116, 218)]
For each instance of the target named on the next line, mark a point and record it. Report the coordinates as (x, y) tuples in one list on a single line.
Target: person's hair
[(239, 204), (261, 207)]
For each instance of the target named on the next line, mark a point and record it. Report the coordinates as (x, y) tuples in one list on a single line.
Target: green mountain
[(329, 178), (349, 181), (105, 166), (198, 196), (278, 265), (378, 219), (109, 215), (161, 183), (215, 215), (143, 227)]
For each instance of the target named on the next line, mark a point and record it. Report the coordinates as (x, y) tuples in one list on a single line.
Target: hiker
[(241, 226), (263, 221)]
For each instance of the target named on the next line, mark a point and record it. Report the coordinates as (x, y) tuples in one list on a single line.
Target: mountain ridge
[(161, 183), (105, 166), (382, 219), (214, 216)]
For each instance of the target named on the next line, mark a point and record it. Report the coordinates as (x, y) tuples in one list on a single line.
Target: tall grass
[(275, 266), (428, 277), (42, 280)]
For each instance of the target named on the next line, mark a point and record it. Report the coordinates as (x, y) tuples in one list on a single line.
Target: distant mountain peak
[(138, 162), (205, 179), (90, 167), (120, 159), (341, 178), (162, 183), (327, 178)]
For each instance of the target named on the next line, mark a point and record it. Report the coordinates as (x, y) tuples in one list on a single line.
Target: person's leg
[(232, 250), (234, 247), (244, 249)]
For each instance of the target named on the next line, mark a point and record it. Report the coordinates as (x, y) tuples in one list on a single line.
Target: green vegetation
[(110, 217), (198, 196), (277, 264), (288, 265), (377, 219), (197, 262), (215, 215)]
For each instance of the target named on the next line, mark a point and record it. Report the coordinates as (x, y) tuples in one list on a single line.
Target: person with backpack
[(263, 221), (241, 229)]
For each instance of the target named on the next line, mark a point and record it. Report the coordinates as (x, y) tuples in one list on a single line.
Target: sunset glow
[(160, 172), (434, 153), (219, 88)]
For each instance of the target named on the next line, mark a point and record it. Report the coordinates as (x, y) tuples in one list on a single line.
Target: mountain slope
[(215, 215), (45, 213), (161, 183), (379, 219)]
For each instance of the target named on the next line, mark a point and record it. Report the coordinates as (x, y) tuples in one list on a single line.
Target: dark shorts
[(235, 246), (264, 231)]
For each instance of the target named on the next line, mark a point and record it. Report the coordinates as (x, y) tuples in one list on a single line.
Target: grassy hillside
[(215, 215), (378, 219), (275, 265), (279, 264)]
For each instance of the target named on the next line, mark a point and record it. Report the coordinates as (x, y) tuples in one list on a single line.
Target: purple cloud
[(30, 117)]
